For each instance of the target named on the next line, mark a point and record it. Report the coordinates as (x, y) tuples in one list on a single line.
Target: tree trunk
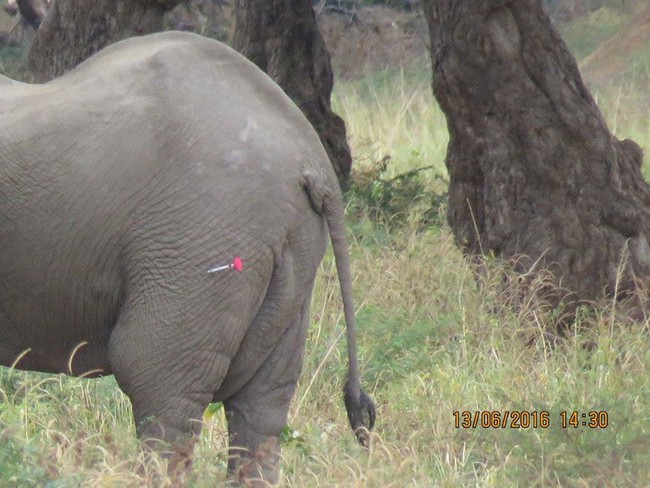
[(73, 30), (533, 168), (32, 11), (282, 38)]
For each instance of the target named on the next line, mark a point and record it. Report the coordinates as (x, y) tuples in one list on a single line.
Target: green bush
[(405, 198)]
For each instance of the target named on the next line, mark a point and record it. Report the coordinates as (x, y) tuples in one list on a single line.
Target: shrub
[(406, 197)]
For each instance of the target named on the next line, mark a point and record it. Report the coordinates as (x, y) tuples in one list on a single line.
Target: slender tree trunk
[(32, 11), (533, 168), (73, 30), (282, 38)]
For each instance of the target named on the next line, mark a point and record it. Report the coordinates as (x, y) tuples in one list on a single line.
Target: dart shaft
[(220, 268)]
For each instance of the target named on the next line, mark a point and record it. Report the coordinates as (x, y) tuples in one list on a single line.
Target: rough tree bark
[(75, 29), (533, 168), (282, 38), (32, 11)]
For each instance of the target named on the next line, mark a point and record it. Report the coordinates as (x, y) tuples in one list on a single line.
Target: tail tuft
[(361, 413)]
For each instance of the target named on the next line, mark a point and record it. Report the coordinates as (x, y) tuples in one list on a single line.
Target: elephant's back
[(165, 98), (168, 124), (186, 77), (187, 93)]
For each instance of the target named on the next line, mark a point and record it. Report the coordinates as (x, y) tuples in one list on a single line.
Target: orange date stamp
[(528, 419), (507, 419)]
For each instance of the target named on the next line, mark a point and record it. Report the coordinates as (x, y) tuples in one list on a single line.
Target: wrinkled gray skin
[(121, 184)]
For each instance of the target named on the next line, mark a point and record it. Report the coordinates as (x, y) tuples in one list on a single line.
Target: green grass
[(432, 342)]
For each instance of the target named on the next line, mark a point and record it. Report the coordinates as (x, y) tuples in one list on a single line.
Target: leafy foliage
[(289, 437), (212, 410), (393, 201), (19, 460)]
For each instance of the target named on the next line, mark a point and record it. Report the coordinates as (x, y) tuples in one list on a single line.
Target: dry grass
[(393, 112), (432, 344)]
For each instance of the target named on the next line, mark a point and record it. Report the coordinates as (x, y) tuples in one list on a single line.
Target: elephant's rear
[(267, 157), (181, 155)]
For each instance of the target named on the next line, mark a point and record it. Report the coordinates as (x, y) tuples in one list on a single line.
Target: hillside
[(625, 52)]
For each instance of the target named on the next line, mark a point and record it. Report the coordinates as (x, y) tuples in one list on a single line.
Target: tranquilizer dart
[(236, 265)]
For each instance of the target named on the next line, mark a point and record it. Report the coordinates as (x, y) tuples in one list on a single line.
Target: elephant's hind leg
[(257, 413), (169, 378)]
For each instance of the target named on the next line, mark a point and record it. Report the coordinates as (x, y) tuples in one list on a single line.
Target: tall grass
[(625, 105), (393, 112), (433, 340)]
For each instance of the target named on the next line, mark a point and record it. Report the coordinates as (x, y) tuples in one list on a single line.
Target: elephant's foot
[(257, 469), (179, 456), (179, 461), (254, 451)]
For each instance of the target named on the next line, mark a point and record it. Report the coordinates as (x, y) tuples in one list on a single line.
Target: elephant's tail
[(360, 408)]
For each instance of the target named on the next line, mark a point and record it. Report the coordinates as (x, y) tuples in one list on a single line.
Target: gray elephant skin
[(121, 184)]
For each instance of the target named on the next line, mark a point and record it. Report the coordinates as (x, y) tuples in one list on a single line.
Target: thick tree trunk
[(282, 38), (75, 29), (533, 168)]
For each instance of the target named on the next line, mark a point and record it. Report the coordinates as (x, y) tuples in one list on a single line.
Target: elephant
[(122, 183)]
